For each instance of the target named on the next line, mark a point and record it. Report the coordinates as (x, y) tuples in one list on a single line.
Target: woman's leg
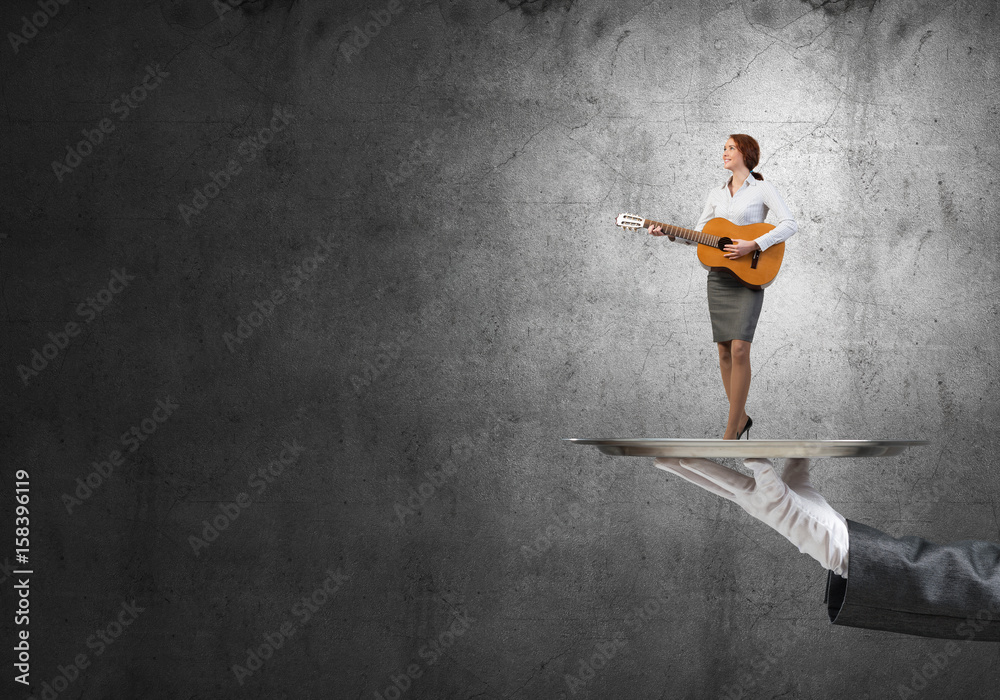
[(738, 386), (726, 363)]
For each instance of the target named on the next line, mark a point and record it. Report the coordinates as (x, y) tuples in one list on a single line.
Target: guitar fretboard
[(690, 234)]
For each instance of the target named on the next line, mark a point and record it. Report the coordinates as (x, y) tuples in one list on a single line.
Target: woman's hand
[(738, 248), (655, 230)]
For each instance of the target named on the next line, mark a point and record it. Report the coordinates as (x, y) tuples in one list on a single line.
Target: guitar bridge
[(753, 262)]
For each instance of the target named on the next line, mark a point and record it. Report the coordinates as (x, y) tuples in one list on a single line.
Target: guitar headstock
[(629, 222)]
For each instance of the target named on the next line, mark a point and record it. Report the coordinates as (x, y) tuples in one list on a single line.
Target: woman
[(734, 308)]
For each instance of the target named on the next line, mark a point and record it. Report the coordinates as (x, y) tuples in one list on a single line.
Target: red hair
[(750, 150)]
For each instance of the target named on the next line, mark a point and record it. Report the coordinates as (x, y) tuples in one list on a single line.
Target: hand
[(655, 230), (791, 507), (738, 248)]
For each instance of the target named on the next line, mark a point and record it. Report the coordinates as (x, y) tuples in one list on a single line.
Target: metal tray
[(768, 449)]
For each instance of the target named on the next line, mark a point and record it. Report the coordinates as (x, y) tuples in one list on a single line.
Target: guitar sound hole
[(723, 242)]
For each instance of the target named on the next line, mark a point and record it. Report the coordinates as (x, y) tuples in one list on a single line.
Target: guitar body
[(754, 276)]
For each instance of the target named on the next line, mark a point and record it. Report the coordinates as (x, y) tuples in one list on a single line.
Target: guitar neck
[(687, 233)]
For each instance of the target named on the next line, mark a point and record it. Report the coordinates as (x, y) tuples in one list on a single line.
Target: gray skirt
[(733, 307)]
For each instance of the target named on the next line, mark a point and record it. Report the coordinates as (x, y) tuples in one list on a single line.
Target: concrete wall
[(397, 293)]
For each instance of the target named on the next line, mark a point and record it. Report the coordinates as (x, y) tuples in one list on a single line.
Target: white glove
[(791, 507)]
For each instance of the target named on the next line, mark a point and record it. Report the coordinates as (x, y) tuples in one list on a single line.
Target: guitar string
[(690, 234)]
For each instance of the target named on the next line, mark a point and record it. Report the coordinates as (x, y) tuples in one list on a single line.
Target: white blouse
[(750, 205)]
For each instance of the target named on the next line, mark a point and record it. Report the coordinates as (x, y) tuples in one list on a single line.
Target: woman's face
[(732, 159)]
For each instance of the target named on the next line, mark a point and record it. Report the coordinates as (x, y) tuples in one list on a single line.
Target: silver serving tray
[(768, 449)]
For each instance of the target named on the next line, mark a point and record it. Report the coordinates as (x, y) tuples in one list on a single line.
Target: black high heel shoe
[(746, 429)]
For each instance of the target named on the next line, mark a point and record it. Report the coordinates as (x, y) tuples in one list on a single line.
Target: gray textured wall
[(397, 301)]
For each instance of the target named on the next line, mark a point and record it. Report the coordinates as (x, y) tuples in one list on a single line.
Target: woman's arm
[(708, 213), (786, 225)]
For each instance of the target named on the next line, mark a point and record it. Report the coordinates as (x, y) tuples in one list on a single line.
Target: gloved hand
[(791, 506)]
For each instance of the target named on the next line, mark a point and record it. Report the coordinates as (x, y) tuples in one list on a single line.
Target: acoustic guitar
[(756, 270)]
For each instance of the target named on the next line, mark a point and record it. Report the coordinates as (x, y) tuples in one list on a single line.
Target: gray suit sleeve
[(912, 586)]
